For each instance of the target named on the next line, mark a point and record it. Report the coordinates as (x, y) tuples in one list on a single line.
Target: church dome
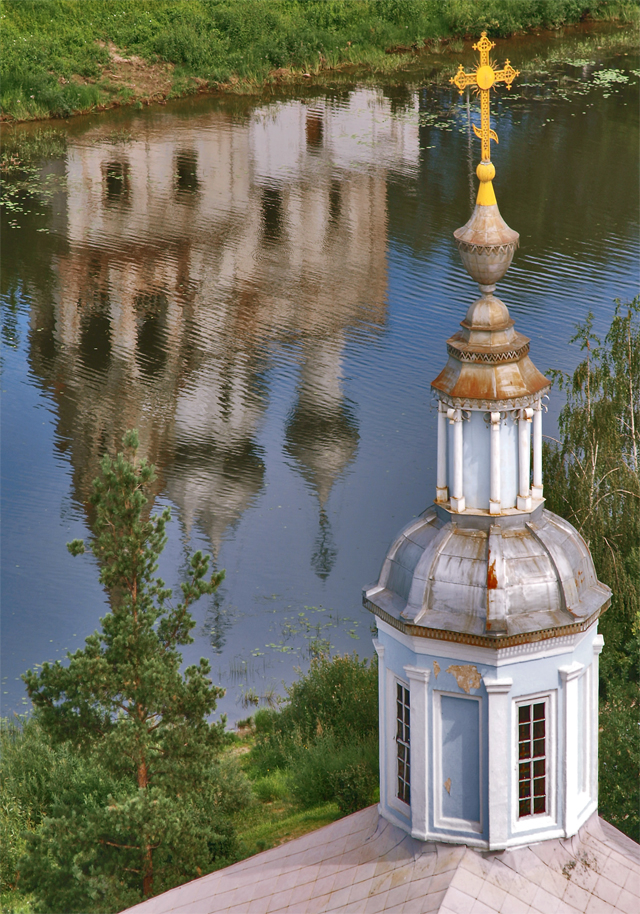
[(488, 580)]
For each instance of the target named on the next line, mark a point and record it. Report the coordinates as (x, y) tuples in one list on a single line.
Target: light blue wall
[(460, 729)]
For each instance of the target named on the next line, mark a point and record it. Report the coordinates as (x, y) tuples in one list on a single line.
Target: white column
[(598, 644), (500, 742), (442, 491), (524, 459), (536, 488), (457, 494), (419, 708), (383, 723), (569, 678), (494, 502)]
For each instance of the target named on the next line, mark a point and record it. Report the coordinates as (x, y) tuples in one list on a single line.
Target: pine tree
[(149, 816)]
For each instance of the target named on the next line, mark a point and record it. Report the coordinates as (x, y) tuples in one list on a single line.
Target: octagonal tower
[(487, 605)]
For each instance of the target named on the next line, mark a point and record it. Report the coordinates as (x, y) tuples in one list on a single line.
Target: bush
[(326, 771), (324, 742)]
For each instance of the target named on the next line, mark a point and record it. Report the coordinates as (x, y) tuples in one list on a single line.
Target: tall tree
[(148, 816), (593, 479)]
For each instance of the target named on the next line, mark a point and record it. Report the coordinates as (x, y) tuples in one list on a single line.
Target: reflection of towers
[(190, 253), (322, 434), (217, 467)]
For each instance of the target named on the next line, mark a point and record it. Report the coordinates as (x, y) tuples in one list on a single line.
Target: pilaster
[(569, 676), (500, 739), (419, 697)]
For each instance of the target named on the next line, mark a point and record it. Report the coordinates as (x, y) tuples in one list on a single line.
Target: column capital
[(378, 647), (497, 686), (417, 674), (571, 672)]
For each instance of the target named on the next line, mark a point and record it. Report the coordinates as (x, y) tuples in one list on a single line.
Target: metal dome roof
[(488, 580)]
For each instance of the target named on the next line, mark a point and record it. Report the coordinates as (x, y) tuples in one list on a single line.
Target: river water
[(264, 287)]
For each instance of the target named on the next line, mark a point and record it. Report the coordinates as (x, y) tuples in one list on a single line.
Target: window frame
[(405, 741), (535, 821), (393, 802)]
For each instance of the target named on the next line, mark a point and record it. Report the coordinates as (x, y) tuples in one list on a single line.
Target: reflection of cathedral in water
[(321, 434), (191, 252)]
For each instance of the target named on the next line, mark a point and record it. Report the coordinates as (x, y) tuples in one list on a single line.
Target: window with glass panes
[(532, 758), (403, 750)]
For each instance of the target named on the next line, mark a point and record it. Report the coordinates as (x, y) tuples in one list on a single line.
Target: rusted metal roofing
[(493, 578), (488, 363)]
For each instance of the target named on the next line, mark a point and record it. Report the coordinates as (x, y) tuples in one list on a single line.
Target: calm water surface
[(264, 289)]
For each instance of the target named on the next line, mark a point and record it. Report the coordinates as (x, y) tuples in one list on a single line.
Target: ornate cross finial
[(483, 78)]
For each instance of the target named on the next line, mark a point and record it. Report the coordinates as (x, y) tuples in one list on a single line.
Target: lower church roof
[(363, 865)]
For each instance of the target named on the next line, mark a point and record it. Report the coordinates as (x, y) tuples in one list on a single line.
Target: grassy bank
[(67, 56)]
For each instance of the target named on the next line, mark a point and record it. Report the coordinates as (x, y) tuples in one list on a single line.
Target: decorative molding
[(491, 405), (497, 686), (417, 674), (379, 648), (571, 672), (487, 249), (473, 355), (598, 644), (487, 641)]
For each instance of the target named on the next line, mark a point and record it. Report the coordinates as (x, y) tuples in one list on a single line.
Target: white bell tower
[(487, 605)]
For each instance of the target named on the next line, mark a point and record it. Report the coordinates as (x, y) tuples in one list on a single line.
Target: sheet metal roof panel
[(472, 574)]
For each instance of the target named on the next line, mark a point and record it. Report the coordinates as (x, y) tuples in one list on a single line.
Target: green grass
[(54, 51)]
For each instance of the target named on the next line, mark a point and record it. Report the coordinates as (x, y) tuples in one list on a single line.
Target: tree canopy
[(150, 814), (592, 478)]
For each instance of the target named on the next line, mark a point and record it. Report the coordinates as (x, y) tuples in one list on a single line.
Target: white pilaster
[(536, 488), (442, 490), (494, 502), (382, 722), (457, 494), (524, 459), (598, 644), (500, 738), (419, 695), (569, 678)]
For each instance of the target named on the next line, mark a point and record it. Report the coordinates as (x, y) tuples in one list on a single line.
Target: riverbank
[(63, 57)]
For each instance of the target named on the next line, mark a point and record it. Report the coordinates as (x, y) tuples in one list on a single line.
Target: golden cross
[(483, 78)]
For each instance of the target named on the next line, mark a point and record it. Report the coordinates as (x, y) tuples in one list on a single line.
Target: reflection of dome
[(485, 579), (214, 486), (322, 443)]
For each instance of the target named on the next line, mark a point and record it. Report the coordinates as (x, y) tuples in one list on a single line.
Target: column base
[(457, 504), (494, 507), (523, 503), (442, 494), (536, 493)]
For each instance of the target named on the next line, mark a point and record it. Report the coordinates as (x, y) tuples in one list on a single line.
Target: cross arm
[(462, 79)]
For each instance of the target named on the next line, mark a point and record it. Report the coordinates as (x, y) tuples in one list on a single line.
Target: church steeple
[(489, 393), (487, 604)]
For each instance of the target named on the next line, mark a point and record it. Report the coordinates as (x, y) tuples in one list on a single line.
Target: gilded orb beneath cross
[(485, 76)]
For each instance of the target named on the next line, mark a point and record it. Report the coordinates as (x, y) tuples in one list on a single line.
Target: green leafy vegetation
[(323, 743), (592, 477), (119, 787), (64, 56), (139, 800)]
